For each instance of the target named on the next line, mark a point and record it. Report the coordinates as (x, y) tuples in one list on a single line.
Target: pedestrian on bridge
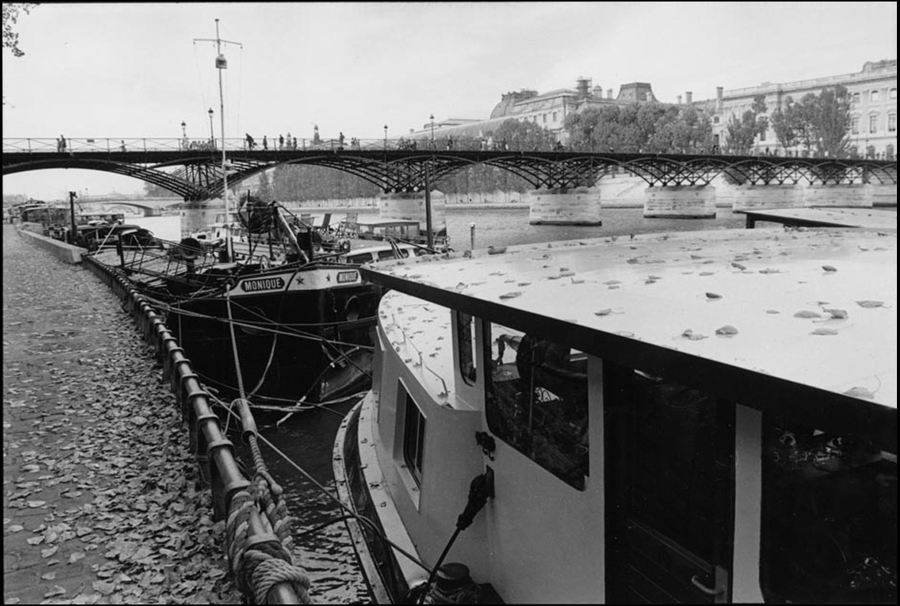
[(250, 142), (295, 142), (265, 144), (280, 141), (61, 144), (341, 142)]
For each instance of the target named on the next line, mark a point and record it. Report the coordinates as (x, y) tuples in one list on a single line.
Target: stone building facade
[(873, 112), (548, 110)]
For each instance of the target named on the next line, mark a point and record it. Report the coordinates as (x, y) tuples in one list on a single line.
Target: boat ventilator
[(234, 497)]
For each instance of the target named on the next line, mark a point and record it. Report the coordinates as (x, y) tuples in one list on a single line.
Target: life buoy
[(189, 249)]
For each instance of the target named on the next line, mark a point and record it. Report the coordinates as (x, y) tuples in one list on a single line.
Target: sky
[(138, 70)]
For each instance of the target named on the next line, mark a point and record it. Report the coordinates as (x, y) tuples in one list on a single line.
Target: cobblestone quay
[(100, 503)]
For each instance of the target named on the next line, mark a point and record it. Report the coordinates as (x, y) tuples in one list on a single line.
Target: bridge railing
[(419, 143), (140, 144)]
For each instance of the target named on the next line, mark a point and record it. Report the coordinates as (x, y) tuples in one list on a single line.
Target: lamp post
[(385, 137), (212, 137), (183, 134), (591, 136), (429, 235)]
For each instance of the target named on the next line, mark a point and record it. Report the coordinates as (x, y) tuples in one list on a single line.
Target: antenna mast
[(221, 64)]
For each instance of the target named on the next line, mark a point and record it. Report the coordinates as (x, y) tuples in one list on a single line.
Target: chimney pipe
[(679, 99), (609, 93), (687, 97)]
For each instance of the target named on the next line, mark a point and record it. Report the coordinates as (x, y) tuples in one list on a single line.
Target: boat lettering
[(347, 276), (262, 284)]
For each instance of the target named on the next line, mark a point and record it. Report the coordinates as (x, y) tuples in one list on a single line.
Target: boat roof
[(805, 308), (865, 218), (367, 222)]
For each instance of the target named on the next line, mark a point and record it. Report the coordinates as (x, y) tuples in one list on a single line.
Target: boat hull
[(296, 336)]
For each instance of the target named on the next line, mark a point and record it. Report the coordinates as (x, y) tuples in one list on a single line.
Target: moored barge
[(691, 417)]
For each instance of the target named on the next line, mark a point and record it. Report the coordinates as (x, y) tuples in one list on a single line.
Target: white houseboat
[(690, 417)]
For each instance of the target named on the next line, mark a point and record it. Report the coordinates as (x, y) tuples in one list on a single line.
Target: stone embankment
[(100, 496)]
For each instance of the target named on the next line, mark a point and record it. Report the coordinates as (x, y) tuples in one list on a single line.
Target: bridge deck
[(863, 218)]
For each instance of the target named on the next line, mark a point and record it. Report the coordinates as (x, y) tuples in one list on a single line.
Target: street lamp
[(432, 131), (591, 135), (212, 136), (385, 137), (183, 135)]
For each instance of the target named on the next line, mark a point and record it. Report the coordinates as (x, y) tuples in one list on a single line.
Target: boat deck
[(863, 218), (814, 307), (420, 331)]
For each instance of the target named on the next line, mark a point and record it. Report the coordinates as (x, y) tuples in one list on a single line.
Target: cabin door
[(669, 490)]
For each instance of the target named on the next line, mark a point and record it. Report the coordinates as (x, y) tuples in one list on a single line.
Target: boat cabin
[(402, 230), (689, 417), (374, 254)]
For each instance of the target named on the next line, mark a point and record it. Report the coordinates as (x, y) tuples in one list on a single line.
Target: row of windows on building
[(874, 95), (873, 123)]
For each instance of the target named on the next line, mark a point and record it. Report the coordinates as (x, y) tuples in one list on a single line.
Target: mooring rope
[(262, 565)]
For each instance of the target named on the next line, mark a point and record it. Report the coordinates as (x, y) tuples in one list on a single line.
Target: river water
[(507, 226), (306, 438)]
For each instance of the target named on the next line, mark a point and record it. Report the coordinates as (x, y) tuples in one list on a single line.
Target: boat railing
[(166, 259)]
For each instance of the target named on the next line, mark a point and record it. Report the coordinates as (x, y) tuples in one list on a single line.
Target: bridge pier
[(884, 194), (196, 216), (752, 197), (410, 206), (680, 202), (853, 195), (564, 206)]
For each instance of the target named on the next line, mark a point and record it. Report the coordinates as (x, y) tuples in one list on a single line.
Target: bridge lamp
[(385, 137), (591, 137), (432, 130), (183, 129), (211, 135)]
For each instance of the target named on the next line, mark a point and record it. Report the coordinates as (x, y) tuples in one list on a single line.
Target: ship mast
[(221, 64)]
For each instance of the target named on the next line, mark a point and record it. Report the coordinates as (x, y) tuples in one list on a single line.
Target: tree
[(787, 123), (808, 110), (10, 16), (741, 133), (151, 190), (832, 125)]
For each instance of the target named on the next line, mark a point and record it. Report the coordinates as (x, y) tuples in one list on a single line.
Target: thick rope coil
[(266, 570), (259, 567), (236, 527)]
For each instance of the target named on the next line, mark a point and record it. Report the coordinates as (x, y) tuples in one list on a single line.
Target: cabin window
[(829, 517), (413, 438), (465, 341), (389, 254), (537, 401)]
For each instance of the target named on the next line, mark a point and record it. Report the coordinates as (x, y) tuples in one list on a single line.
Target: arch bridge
[(193, 169)]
